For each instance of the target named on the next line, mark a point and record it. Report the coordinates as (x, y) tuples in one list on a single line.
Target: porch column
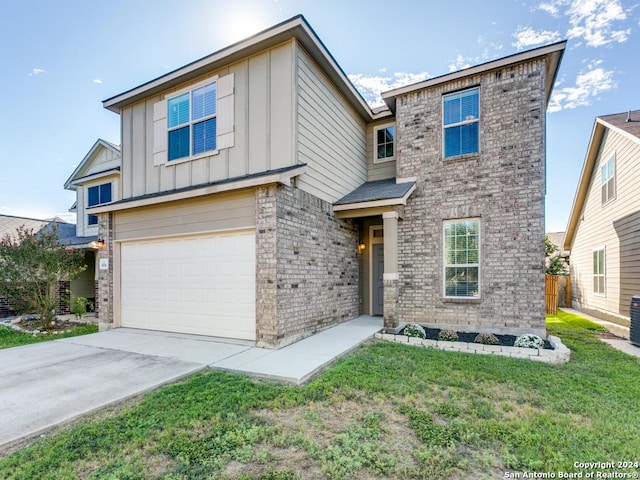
[(390, 276), (104, 300)]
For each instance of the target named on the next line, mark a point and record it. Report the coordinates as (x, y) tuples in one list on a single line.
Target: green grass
[(12, 338), (386, 411)]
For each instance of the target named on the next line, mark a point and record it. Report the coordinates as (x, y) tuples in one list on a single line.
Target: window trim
[(189, 89), (459, 124), (602, 249), (377, 128), (87, 205), (445, 264), (612, 179)]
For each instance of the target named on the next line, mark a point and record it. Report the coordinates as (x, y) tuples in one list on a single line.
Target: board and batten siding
[(211, 213), (380, 170), (614, 226), (331, 136), (264, 129)]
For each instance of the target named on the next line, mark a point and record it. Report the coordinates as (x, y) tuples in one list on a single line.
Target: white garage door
[(201, 284)]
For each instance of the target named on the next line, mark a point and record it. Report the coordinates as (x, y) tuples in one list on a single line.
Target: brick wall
[(64, 298), (307, 266), (503, 186), (5, 308), (104, 298)]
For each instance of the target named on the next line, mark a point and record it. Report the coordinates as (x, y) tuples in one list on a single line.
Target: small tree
[(31, 265), (554, 263)]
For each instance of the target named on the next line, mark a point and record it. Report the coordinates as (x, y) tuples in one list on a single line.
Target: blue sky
[(61, 59)]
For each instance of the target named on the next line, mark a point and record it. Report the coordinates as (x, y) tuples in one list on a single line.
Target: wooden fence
[(551, 293)]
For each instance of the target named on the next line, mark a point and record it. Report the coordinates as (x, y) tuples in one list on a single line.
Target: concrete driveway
[(48, 384)]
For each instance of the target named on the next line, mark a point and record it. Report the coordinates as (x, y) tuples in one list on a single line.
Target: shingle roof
[(619, 120), (379, 190), (9, 224)]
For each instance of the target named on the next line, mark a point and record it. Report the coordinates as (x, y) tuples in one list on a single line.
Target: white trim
[(391, 214), (400, 180), (444, 261), (611, 158), (603, 249), (190, 234), (96, 176), (390, 276), (392, 158), (620, 131), (485, 67), (284, 178), (459, 124), (373, 241)]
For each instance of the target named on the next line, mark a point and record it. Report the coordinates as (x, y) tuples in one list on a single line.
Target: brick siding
[(307, 265), (503, 185)]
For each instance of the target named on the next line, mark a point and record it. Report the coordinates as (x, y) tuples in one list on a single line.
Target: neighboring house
[(603, 233), (261, 198), (67, 236), (96, 182)]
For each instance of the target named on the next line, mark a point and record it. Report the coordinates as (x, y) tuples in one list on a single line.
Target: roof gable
[(88, 161), (617, 123)]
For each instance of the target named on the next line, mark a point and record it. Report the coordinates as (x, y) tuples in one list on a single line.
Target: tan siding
[(263, 113), (198, 215), (616, 226), (331, 136), (104, 159), (378, 171)]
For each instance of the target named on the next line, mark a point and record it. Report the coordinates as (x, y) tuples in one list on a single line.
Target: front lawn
[(14, 338), (386, 411)]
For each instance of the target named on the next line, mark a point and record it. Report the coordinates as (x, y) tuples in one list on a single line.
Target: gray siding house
[(603, 233), (261, 198)]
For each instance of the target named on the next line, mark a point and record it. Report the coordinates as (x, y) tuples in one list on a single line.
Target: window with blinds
[(460, 118)]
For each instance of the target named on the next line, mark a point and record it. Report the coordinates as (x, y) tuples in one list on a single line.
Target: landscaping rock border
[(560, 353)]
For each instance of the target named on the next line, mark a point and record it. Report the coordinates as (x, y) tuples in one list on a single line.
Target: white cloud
[(36, 71), (371, 86), (588, 86), (550, 8), (597, 22), (97, 81), (459, 63), (527, 36)]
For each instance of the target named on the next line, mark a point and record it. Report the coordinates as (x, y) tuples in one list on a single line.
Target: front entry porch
[(378, 207)]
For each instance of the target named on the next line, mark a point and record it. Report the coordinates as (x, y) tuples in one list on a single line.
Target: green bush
[(447, 336), (79, 307), (529, 340), (487, 339), (414, 330)]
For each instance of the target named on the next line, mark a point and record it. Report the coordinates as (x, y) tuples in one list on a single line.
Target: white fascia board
[(283, 178)]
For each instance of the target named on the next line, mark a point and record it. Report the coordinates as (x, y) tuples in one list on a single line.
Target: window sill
[(461, 158), (384, 160), (466, 300), (611, 200), (177, 161)]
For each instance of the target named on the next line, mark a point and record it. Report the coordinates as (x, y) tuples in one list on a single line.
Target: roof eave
[(583, 183), (554, 51), (296, 27)]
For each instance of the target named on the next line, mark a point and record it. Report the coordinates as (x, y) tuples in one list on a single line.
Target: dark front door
[(377, 253)]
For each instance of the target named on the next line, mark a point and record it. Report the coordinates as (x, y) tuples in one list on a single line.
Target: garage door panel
[(203, 285)]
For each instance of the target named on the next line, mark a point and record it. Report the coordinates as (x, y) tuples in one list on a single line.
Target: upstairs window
[(384, 138), (462, 258), (191, 122), (608, 180), (460, 118), (98, 195), (598, 271)]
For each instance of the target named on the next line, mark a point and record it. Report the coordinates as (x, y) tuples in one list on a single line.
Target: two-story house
[(261, 198), (603, 233)]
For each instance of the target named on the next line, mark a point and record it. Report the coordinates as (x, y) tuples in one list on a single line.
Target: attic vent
[(628, 116)]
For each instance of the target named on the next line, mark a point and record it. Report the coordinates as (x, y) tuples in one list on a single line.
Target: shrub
[(79, 307), (447, 336), (487, 339), (529, 340), (415, 330)]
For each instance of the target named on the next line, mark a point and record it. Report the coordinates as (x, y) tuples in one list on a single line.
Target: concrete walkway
[(48, 384), (621, 331)]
